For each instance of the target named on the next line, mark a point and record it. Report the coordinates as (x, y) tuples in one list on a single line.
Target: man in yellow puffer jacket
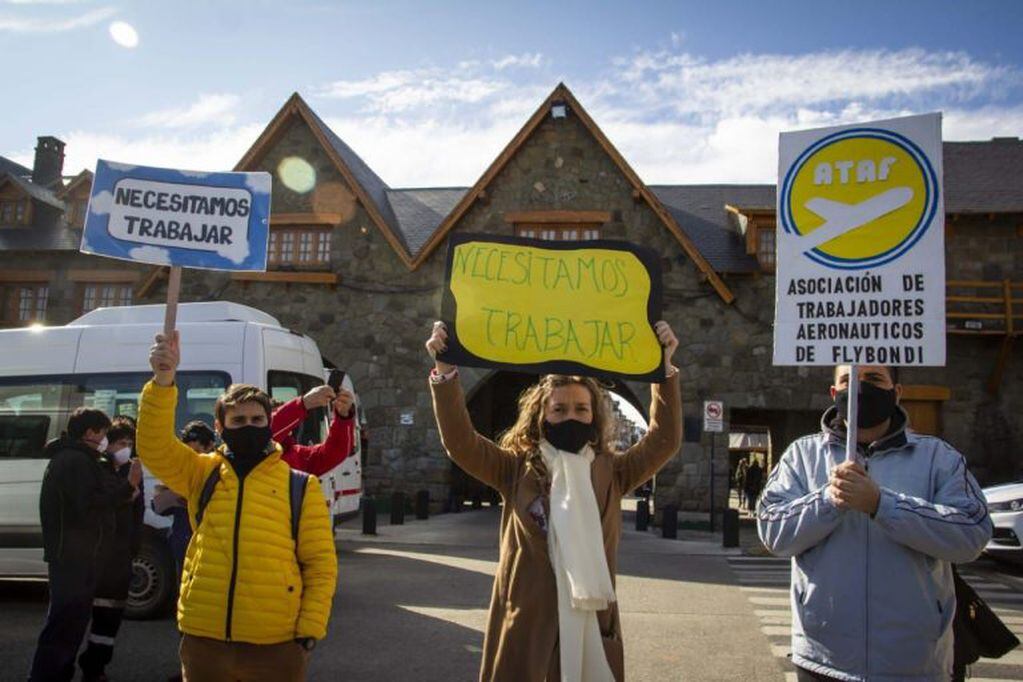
[(253, 599)]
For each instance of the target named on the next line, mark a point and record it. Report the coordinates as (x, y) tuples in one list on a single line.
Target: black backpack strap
[(296, 495), (207, 494)]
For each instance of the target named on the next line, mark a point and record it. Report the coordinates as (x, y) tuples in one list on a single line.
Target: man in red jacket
[(316, 459)]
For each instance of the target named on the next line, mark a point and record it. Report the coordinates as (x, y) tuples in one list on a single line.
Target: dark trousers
[(72, 585), (106, 621), (107, 613)]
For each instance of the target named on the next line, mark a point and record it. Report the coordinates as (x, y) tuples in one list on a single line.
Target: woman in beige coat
[(553, 614)]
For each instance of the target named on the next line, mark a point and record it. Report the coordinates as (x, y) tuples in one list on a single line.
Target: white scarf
[(575, 542)]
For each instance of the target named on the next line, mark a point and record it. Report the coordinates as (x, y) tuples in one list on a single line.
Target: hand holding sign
[(164, 357), (437, 344), (668, 340), (850, 487)]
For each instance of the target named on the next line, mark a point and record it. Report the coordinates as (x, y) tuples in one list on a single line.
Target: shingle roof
[(373, 185), (419, 212), (14, 168), (984, 177), (40, 238), (35, 191), (700, 212)]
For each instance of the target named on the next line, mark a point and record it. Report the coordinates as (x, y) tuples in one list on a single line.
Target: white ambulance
[(101, 360)]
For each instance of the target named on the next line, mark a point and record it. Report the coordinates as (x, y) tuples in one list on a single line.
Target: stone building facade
[(370, 300)]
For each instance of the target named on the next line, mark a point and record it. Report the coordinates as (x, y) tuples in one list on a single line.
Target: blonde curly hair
[(525, 434)]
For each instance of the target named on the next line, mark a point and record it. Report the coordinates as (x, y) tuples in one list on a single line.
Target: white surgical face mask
[(122, 455)]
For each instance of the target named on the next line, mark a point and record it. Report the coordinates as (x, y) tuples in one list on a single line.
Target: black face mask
[(247, 442), (875, 405), (569, 435)]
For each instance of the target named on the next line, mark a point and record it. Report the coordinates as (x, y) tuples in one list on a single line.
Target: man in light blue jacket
[(873, 539)]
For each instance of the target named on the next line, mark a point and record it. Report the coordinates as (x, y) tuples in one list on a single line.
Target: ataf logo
[(858, 198)]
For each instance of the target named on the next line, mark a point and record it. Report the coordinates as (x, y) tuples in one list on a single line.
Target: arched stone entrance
[(492, 398)]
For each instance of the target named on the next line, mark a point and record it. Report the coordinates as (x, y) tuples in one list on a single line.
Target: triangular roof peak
[(369, 188), (562, 94), (84, 176)]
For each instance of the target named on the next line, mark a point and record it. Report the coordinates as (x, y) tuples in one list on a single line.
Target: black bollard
[(730, 528), (397, 508), (477, 502), (369, 516), (642, 514), (669, 522), (423, 505)]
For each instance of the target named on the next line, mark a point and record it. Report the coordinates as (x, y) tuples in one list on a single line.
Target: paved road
[(411, 604)]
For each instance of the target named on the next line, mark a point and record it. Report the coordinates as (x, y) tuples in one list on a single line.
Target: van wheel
[(153, 580)]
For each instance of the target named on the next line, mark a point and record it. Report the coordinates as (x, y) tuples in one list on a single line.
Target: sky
[(428, 93)]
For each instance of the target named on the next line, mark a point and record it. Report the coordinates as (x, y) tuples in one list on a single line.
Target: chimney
[(48, 167)]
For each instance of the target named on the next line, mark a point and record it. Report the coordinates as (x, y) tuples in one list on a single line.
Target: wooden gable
[(641, 192)]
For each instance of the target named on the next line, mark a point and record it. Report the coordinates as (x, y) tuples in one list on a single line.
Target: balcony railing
[(984, 307)]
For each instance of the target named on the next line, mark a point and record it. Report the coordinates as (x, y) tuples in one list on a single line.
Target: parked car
[(101, 360), (1005, 504)]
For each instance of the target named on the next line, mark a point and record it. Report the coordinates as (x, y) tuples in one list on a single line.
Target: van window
[(34, 410), (285, 386)]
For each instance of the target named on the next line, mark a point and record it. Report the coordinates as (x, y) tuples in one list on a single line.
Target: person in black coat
[(116, 553), (77, 506)]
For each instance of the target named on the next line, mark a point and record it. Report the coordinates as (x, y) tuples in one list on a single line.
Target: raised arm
[(480, 457), (664, 437), (174, 463), (319, 459)]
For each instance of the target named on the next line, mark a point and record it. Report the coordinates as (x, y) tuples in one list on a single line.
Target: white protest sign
[(861, 245)]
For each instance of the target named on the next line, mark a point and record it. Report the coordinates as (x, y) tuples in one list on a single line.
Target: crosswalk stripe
[(776, 630), (769, 601), (780, 650), (768, 613), (747, 588)]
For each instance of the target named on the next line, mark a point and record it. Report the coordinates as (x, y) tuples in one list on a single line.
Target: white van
[(101, 360)]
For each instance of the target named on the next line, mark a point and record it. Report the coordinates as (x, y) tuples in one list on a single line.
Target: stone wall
[(374, 322)]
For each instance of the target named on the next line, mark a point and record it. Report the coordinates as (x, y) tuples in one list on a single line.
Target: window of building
[(299, 247), (558, 233), (766, 251), (23, 303), (13, 211), (105, 296)]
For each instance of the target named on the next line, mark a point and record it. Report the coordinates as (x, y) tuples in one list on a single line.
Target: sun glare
[(124, 34)]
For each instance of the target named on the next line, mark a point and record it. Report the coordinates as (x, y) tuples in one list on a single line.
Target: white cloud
[(101, 203), (23, 24), (676, 117), (209, 108), (526, 59), (407, 90), (150, 254)]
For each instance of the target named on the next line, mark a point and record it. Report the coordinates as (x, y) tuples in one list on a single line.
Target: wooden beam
[(287, 276), (557, 216), (305, 219), (105, 276), (919, 392), (26, 276), (155, 275)]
